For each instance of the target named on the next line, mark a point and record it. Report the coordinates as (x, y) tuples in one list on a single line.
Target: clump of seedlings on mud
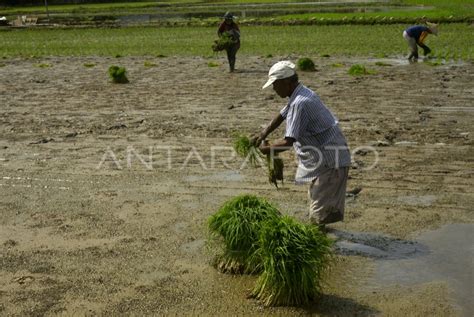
[(118, 74), (247, 149), (306, 64), (238, 224), (294, 256), (291, 257), (224, 42), (360, 70)]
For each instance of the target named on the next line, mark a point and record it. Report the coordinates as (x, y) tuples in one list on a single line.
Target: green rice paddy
[(455, 40)]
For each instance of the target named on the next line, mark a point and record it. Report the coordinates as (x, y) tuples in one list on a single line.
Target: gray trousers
[(412, 44)]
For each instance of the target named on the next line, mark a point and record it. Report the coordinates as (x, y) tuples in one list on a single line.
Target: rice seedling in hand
[(224, 42), (248, 150), (295, 257), (238, 224), (275, 169), (117, 74), (306, 64)]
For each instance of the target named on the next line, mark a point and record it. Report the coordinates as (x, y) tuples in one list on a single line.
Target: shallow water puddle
[(444, 255)]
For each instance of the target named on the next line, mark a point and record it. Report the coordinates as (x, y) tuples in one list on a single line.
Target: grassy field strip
[(455, 40)]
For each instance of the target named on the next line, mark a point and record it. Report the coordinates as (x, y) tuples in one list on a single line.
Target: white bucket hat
[(280, 70)]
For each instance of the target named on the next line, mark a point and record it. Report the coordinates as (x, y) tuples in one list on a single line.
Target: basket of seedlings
[(225, 41), (237, 224), (248, 150), (294, 257)]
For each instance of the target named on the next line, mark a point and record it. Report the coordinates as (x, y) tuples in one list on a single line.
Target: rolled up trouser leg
[(327, 195)]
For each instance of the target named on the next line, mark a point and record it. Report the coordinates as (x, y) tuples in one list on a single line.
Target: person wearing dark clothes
[(415, 36), (229, 26)]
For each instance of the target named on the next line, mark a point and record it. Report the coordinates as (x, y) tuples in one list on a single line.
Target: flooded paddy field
[(105, 189)]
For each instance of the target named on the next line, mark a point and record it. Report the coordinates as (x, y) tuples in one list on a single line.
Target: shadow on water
[(327, 305)]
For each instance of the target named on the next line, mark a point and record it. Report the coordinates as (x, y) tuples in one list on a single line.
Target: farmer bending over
[(416, 35), (229, 26), (313, 131)]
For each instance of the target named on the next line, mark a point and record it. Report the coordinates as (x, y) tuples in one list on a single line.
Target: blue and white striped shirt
[(320, 144)]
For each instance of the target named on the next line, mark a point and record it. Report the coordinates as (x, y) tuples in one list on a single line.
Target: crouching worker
[(314, 133), (230, 27), (415, 36)]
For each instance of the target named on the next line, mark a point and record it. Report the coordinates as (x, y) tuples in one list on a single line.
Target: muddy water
[(449, 259)]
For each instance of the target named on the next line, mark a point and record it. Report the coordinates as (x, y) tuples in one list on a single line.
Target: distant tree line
[(11, 3)]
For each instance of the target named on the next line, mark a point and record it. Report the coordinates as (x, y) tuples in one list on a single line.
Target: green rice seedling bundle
[(212, 64), (224, 42), (118, 74), (295, 257), (149, 64), (275, 169), (238, 223), (306, 64), (359, 70), (245, 148)]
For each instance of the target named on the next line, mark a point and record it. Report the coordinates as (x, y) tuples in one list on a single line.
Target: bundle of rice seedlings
[(246, 149), (306, 64), (224, 42), (238, 223), (117, 74), (358, 70), (275, 169), (294, 258)]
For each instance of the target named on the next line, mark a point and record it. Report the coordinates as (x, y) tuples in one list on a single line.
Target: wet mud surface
[(105, 189)]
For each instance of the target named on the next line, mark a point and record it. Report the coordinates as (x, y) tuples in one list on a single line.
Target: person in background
[(229, 26), (314, 133), (416, 35)]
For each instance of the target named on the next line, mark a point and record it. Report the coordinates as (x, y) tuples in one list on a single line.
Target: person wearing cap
[(313, 131), (415, 36), (229, 26)]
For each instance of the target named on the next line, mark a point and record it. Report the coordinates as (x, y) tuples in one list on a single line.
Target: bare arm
[(274, 124)]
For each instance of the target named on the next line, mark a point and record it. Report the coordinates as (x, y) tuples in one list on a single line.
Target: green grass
[(310, 41)]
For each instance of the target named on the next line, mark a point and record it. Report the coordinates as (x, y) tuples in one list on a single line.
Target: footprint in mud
[(376, 245)]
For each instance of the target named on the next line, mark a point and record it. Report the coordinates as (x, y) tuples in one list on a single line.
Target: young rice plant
[(246, 149), (306, 64), (360, 70), (224, 42), (118, 74), (294, 258), (238, 223)]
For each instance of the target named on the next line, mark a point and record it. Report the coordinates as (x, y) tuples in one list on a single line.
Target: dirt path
[(83, 233)]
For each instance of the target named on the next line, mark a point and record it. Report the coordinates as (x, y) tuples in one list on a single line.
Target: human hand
[(264, 147), (256, 140)]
